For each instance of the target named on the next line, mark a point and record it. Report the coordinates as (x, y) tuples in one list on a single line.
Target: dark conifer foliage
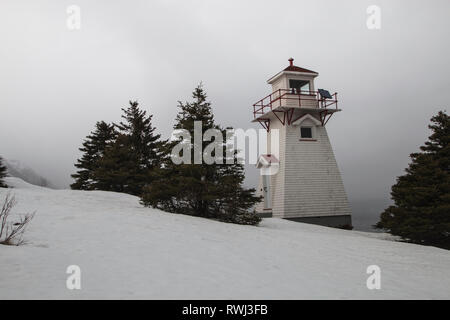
[(93, 149), (421, 210), (117, 170), (129, 161), (141, 136), (235, 201), (120, 157), (3, 172), (130, 157), (206, 190)]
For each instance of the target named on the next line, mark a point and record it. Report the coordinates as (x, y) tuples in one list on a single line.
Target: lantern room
[(293, 95), (296, 79)]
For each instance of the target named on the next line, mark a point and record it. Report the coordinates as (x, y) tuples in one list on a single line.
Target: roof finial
[(291, 61)]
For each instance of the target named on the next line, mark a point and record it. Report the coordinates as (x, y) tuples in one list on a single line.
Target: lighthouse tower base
[(344, 221), (306, 185), (340, 221)]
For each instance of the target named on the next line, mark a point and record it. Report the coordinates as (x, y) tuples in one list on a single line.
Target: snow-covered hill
[(128, 251)]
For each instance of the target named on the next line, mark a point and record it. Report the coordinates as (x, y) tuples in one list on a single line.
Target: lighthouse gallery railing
[(293, 98)]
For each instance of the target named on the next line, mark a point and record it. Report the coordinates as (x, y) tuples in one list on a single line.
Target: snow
[(127, 251)]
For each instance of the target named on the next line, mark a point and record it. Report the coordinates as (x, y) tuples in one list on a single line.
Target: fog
[(55, 83)]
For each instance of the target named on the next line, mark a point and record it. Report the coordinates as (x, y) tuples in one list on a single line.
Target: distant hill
[(19, 170)]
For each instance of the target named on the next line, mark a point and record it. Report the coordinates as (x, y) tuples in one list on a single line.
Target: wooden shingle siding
[(277, 180), (308, 182), (313, 184)]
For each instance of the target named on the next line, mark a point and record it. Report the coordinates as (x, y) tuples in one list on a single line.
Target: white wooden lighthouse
[(299, 179)]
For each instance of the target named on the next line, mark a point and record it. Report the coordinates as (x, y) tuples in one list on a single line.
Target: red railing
[(293, 98)]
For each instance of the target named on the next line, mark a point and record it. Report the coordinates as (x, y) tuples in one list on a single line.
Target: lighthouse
[(300, 179)]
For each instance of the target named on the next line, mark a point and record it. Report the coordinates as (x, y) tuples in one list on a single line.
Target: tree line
[(130, 157)]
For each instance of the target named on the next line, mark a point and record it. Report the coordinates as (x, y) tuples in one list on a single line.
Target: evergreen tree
[(3, 171), (116, 170), (235, 201), (421, 210), (93, 150), (141, 136), (128, 162), (206, 190)]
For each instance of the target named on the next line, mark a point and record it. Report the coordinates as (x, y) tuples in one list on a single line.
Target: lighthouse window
[(306, 132), (298, 86)]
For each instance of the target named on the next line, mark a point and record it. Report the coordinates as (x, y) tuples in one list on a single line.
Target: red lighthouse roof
[(298, 69), (292, 68)]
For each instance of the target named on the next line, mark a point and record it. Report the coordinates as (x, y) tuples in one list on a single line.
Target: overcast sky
[(55, 83)]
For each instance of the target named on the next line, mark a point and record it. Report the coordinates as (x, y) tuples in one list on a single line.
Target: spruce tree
[(421, 210), (127, 163), (141, 135), (206, 190), (235, 201), (93, 150), (3, 171), (116, 169)]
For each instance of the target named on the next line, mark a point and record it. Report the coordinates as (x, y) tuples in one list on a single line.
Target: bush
[(11, 233)]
